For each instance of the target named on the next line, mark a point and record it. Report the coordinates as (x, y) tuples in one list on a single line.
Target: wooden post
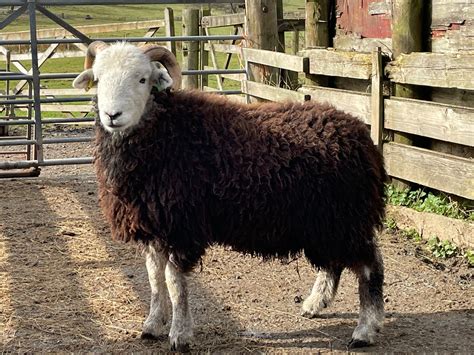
[(317, 32), (407, 37), (204, 55), (296, 41), (262, 33), (169, 29), (288, 78), (376, 120), (281, 35), (190, 49)]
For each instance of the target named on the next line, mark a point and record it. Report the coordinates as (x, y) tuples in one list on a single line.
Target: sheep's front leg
[(181, 326), (160, 302)]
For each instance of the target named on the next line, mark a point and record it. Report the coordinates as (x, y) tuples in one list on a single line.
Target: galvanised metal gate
[(34, 140)]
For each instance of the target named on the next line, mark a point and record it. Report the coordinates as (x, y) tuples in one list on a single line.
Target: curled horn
[(167, 58), (92, 50)]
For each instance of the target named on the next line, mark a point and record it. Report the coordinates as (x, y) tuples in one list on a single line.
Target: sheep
[(179, 171)]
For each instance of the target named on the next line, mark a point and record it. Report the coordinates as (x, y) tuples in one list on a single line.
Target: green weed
[(469, 256), (412, 234), (390, 224), (443, 249), (421, 201)]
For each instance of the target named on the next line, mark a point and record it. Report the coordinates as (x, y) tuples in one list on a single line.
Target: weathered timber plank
[(429, 224), (87, 29), (355, 103), (376, 120), (223, 20), (353, 43), (339, 63), (433, 69), (448, 12), (223, 48), (455, 40), (276, 59), (380, 8), (444, 122), (437, 170), (453, 96), (272, 93)]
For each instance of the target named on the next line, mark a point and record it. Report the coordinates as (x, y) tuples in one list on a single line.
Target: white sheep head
[(125, 76)]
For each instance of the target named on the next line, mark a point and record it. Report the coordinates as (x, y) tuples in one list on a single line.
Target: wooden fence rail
[(444, 122), (445, 70)]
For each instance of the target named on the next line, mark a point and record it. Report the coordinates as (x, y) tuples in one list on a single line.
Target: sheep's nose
[(114, 116)]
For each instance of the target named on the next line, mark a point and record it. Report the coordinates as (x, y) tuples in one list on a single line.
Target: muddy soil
[(65, 286)]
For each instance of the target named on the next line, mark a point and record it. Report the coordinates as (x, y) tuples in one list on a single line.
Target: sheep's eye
[(142, 81)]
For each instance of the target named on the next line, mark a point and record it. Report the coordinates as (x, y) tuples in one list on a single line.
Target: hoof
[(180, 348), (357, 343), (148, 336), (309, 315)]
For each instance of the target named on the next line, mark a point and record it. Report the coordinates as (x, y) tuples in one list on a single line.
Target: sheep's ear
[(85, 80), (161, 79)]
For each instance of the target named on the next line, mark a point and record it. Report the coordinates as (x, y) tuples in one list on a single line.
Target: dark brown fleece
[(267, 179)]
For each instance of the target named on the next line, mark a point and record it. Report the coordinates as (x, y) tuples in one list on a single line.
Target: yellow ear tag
[(90, 84)]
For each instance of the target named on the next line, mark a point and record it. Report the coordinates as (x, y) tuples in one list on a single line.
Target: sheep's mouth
[(114, 125)]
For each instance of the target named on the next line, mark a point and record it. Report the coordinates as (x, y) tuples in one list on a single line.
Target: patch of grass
[(421, 201)]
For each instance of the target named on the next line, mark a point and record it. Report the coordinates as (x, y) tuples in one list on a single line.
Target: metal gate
[(25, 153)]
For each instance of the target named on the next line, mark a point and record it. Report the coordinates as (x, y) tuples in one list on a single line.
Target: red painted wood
[(353, 16)]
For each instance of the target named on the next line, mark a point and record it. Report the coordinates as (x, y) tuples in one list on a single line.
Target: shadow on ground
[(65, 286)]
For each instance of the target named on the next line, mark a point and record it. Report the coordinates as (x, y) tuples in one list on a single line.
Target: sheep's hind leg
[(160, 306), (323, 292), (371, 302), (181, 331)]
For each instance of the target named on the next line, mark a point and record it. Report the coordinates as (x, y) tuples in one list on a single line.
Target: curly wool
[(268, 179)]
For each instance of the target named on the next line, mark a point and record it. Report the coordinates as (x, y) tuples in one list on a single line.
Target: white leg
[(181, 331), (323, 292), (160, 306)]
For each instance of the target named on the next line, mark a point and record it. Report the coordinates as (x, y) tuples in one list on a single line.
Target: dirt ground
[(65, 286)]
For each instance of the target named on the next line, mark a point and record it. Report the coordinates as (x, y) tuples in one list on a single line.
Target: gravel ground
[(65, 286)]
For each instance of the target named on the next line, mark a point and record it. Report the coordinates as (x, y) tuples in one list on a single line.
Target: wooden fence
[(444, 122), (384, 114)]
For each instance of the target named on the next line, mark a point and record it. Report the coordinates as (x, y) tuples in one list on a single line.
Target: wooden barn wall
[(362, 25), (452, 26), (452, 31)]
